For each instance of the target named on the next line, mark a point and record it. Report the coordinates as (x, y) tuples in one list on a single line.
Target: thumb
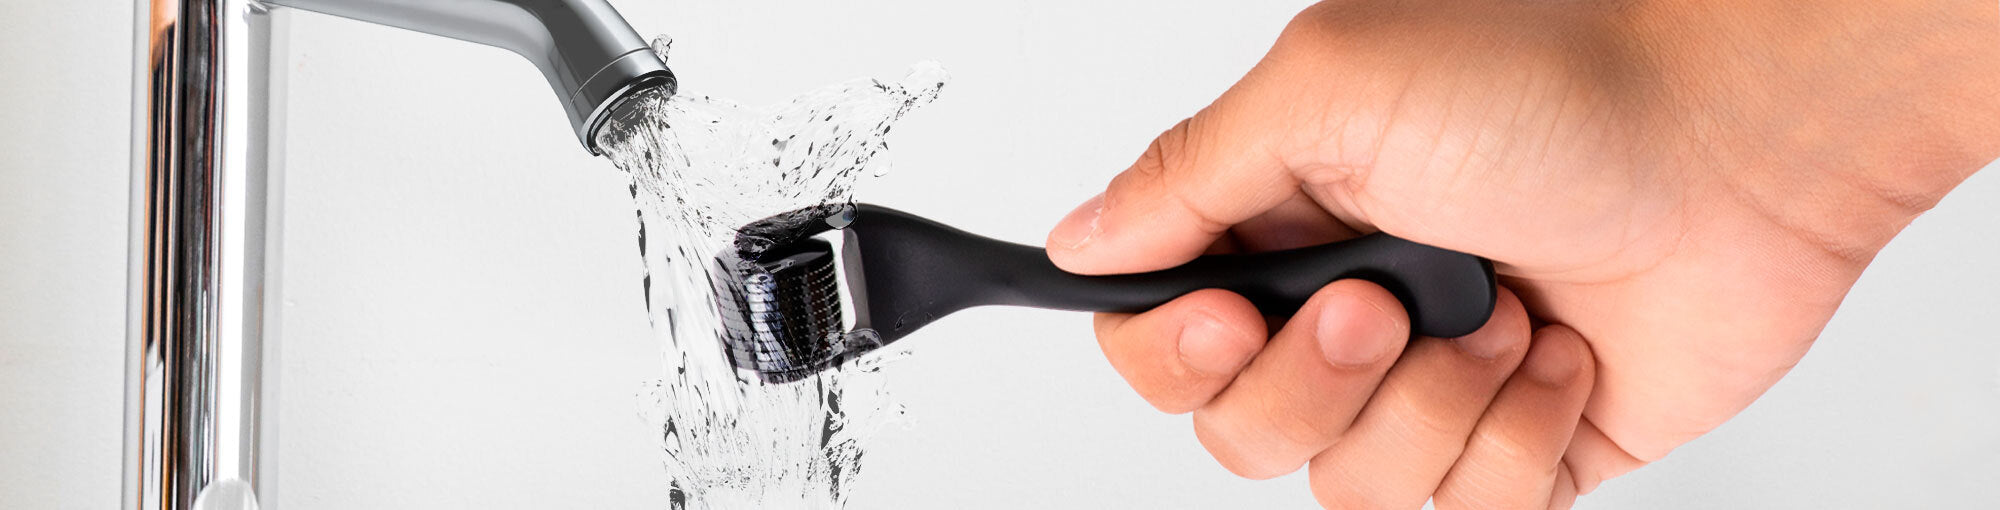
[(1224, 165)]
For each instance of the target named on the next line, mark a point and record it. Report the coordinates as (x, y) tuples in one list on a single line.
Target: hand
[(1480, 420), (1692, 187)]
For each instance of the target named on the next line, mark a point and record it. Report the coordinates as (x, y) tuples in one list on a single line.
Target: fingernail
[(1205, 346), (1553, 362), (1355, 334), (1080, 226), (1486, 344)]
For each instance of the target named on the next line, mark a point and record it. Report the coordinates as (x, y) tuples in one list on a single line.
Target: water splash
[(701, 167)]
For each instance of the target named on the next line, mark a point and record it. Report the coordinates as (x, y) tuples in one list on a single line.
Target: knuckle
[(1148, 357), (1236, 447), (1484, 484), (1172, 153), (1513, 449), (1425, 428), (1176, 390), (1334, 489), (1315, 23), (1168, 387), (1167, 149), (1166, 403), (1494, 490), (1334, 26), (1173, 404), (1305, 430), (1171, 166), (1453, 498)]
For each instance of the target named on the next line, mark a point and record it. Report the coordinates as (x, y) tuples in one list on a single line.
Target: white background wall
[(463, 325)]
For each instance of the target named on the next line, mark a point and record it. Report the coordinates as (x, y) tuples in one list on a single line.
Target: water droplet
[(663, 46), (701, 167)]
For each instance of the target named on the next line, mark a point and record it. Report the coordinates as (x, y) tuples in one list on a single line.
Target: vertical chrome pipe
[(203, 227), (202, 312)]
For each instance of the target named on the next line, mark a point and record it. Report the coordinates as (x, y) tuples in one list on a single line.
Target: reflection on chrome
[(201, 311)]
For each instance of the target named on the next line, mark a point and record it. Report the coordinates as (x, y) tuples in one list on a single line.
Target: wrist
[(1839, 122)]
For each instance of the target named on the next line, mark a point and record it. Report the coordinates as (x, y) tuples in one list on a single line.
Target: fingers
[(1564, 494), (1181, 354), (1515, 456), (1594, 457), (1413, 430), (1298, 395), (1216, 169), (1481, 421)]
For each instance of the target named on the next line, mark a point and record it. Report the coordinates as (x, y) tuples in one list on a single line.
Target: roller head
[(778, 293)]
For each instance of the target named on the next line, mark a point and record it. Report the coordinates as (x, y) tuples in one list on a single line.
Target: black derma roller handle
[(917, 270)]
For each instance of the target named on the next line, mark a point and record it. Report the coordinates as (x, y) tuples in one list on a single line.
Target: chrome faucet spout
[(590, 56), (207, 213)]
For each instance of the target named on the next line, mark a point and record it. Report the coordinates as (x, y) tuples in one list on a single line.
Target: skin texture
[(1677, 194)]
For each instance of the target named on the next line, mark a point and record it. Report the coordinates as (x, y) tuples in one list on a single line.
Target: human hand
[(1480, 421), (1691, 187)]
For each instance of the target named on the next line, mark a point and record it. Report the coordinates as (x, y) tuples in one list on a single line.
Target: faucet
[(206, 210)]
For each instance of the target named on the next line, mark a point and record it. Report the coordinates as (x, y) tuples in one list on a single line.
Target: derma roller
[(780, 288)]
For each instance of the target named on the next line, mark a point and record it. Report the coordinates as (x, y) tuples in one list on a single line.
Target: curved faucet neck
[(589, 54)]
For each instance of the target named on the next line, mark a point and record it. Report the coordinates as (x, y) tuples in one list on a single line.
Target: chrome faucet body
[(206, 210), (587, 52)]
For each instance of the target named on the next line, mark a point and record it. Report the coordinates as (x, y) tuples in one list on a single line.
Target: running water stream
[(701, 167)]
